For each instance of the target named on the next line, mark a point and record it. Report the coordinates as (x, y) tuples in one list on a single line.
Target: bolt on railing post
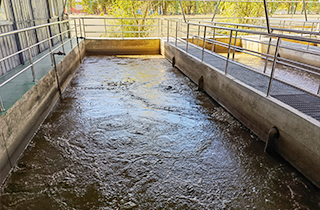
[(204, 42), (227, 63), (61, 36), (168, 31), (235, 44), (273, 65), (2, 109), (50, 44), (31, 59), (176, 33), (122, 28), (187, 37)]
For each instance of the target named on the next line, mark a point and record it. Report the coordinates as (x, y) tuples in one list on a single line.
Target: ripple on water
[(134, 133)]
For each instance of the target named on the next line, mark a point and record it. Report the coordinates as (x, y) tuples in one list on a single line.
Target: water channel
[(134, 133)]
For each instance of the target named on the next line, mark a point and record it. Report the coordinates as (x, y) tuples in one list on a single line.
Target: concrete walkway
[(300, 100), (11, 92)]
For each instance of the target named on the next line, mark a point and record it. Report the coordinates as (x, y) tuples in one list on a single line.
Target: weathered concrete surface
[(123, 47), (22, 120), (299, 134)]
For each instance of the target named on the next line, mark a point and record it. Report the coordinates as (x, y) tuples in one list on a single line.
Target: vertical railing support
[(310, 35), (76, 31), (273, 65), (71, 44), (2, 109), (235, 44), (168, 27), (176, 33), (105, 27), (50, 44), (187, 37), (159, 28), (31, 59), (61, 36), (80, 27), (204, 42), (267, 57), (227, 63), (84, 28), (122, 35), (213, 37), (198, 44)]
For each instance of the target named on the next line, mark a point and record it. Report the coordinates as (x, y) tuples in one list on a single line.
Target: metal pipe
[(84, 28), (76, 31), (168, 31), (305, 11), (273, 66), (204, 42), (227, 63), (176, 33), (122, 35), (215, 12), (198, 35), (2, 109), (267, 15), (235, 43), (187, 37), (50, 44), (31, 59), (80, 27), (213, 37), (267, 57), (105, 28), (184, 15), (61, 36), (310, 36)]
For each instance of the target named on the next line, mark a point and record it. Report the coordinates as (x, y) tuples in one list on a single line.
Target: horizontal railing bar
[(17, 74)]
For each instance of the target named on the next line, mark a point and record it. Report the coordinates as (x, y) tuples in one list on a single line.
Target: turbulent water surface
[(134, 133)]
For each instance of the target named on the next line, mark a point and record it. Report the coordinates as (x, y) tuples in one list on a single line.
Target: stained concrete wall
[(22, 120), (299, 134), (123, 46)]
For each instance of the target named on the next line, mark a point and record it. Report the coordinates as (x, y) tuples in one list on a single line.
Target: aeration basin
[(133, 132)]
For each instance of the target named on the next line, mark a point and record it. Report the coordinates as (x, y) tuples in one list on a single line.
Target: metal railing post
[(204, 42), (80, 27), (310, 35), (105, 27), (61, 36), (213, 36), (273, 66), (227, 63), (31, 59), (159, 28), (84, 28), (161, 24), (2, 109), (268, 51), (168, 31), (50, 44), (122, 35), (198, 44), (176, 33), (187, 37), (235, 44), (76, 31), (70, 35)]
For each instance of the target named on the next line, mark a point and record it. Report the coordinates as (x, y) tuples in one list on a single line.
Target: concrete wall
[(123, 46), (299, 134), (21, 121)]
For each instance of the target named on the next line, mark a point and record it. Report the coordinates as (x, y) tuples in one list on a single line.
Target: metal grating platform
[(305, 103)]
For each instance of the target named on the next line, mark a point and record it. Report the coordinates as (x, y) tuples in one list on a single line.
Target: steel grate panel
[(308, 104)]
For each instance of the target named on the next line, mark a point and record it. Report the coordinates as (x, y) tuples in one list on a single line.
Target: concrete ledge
[(299, 134), (123, 46), (23, 119)]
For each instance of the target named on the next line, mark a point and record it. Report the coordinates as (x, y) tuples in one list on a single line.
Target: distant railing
[(207, 32)]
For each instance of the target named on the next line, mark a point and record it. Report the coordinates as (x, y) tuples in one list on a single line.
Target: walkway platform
[(300, 100), (11, 92)]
